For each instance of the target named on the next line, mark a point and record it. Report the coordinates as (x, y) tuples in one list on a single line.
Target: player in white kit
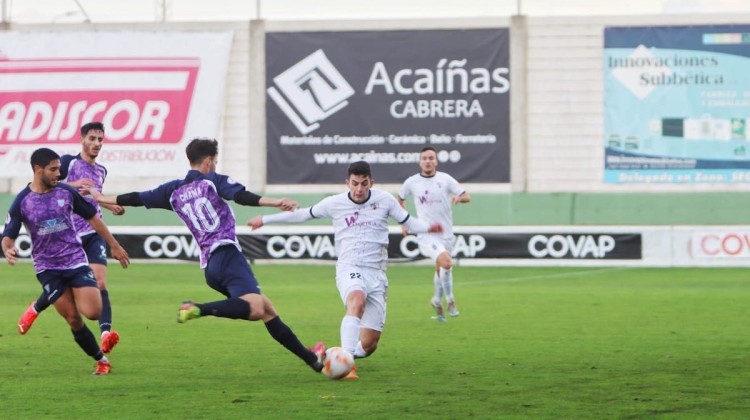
[(434, 195), (360, 221)]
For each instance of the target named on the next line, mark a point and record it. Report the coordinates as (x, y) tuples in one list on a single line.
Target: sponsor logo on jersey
[(352, 220)]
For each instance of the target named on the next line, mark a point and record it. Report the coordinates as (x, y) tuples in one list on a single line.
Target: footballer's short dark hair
[(359, 168), (201, 148), (427, 149), (42, 157), (93, 125)]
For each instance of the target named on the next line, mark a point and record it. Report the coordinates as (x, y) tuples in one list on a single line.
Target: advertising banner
[(677, 104), (152, 90), (381, 96), (318, 244), (720, 244)]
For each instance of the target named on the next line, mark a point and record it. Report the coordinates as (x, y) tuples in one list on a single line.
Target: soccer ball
[(338, 363)]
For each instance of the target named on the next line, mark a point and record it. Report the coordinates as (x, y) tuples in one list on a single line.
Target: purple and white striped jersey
[(73, 168), (49, 221), (200, 201)]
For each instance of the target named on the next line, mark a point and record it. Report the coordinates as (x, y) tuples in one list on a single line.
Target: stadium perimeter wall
[(556, 135), (530, 209), (557, 99)]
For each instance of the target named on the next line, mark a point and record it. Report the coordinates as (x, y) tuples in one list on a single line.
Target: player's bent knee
[(370, 347), (445, 261), (260, 307), (92, 314), (355, 302)]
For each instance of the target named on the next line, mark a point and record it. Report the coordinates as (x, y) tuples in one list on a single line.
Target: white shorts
[(431, 246), (374, 283)]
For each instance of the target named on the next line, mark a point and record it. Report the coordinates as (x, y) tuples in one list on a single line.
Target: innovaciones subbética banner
[(381, 96), (677, 104)]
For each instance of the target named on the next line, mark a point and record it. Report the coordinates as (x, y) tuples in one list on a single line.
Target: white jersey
[(432, 198), (361, 229)]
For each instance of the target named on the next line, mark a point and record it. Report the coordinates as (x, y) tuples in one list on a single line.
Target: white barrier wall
[(592, 246)]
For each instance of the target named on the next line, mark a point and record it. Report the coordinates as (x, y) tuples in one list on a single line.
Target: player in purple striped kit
[(81, 171), (200, 201), (46, 208)]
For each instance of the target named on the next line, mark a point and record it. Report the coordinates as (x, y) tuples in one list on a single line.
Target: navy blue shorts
[(229, 273), (54, 282), (95, 247)]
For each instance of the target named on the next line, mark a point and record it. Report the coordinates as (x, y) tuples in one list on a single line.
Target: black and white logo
[(310, 91)]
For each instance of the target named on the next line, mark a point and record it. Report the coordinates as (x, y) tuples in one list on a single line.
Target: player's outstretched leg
[(286, 337), (320, 352), (29, 316), (27, 319), (103, 367), (232, 308), (188, 311), (86, 340), (109, 340), (109, 337)]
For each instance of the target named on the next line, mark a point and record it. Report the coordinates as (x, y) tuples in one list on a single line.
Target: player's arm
[(464, 197), (402, 203), (247, 198), (115, 209), (414, 225), (411, 224), (118, 252), (297, 216), (10, 232), (401, 197), (9, 249), (86, 210), (132, 199), (80, 183)]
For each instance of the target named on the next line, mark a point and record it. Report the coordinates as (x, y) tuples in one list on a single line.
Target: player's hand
[(117, 210), (94, 193), (456, 199), (436, 228), (256, 222), (81, 183), (287, 204), (121, 255), (10, 255), (404, 231)]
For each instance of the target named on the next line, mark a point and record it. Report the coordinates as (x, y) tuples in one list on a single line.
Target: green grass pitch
[(530, 343)]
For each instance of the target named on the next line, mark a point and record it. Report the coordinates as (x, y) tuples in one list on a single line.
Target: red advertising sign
[(152, 90), (139, 100)]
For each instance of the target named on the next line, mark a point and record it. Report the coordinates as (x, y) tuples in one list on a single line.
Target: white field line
[(460, 282)]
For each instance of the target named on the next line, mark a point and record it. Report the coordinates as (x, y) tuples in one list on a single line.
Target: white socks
[(446, 278), (360, 351), (350, 334), (438, 297)]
